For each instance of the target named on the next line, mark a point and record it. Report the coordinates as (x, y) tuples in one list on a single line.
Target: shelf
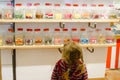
[(52, 46), (30, 46), (57, 20), (98, 45)]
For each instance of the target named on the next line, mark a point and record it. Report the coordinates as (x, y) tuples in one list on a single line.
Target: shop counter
[(112, 74)]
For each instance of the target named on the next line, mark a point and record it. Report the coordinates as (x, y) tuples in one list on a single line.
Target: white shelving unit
[(52, 46), (57, 20), (2, 21), (53, 21)]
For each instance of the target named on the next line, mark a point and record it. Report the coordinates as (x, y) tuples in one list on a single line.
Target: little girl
[(71, 66)]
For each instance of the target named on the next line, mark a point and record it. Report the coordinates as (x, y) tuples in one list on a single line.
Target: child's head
[(72, 52)]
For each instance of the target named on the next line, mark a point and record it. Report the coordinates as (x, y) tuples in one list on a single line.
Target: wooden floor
[(96, 79)]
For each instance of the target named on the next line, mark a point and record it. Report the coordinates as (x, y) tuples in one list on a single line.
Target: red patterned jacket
[(61, 66)]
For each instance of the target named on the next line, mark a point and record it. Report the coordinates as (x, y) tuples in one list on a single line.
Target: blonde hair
[(72, 52)]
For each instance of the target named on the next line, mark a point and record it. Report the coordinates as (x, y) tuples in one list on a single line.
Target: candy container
[(19, 11), (76, 12), (75, 35), (49, 14), (67, 14), (29, 11), (66, 35), (57, 36), (8, 11), (19, 36), (29, 36), (58, 12), (9, 37), (48, 39), (39, 11), (38, 36), (93, 36), (109, 35), (84, 36)]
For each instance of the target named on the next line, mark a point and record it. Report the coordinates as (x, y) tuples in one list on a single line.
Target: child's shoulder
[(60, 61)]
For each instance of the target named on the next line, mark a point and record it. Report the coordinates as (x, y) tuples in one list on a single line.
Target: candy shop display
[(28, 37), (38, 36), (86, 14), (39, 11), (104, 13), (58, 16), (101, 36), (19, 15), (34, 31), (9, 37), (109, 35), (95, 13), (49, 14), (96, 16), (112, 14), (93, 36), (19, 36), (48, 39), (66, 35), (101, 39), (57, 36), (84, 39), (18, 11), (29, 11), (118, 12), (75, 35), (76, 14), (67, 14), (8, 14), (58, 12), (39, 14), (8, 11), (29, 14)]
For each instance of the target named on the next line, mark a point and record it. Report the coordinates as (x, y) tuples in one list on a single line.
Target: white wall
[(6, 56), (37, 64)]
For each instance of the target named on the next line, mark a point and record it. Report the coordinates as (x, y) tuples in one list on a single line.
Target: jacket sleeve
[(55, 73), (85, 74)]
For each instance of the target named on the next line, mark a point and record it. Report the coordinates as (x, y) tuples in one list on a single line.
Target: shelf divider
[(56, 20), (52, 46)]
